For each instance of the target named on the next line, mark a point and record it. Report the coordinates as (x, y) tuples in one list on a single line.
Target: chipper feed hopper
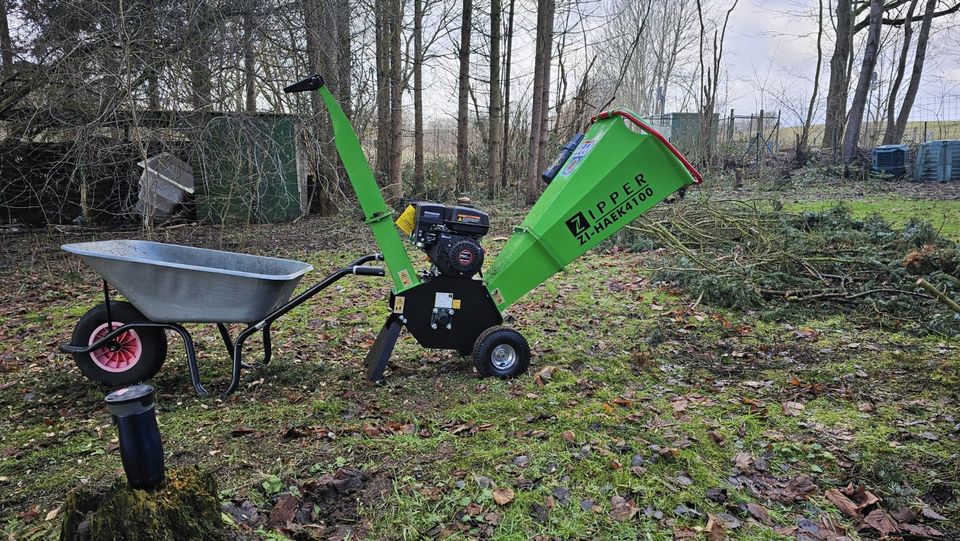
[(602, 180)]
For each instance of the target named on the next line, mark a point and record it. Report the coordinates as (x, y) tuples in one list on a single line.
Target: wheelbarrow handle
[(627, 115)]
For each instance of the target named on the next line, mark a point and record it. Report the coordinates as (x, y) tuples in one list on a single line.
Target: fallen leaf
[(620, 509), (743, 461), (931, 514), (793, 409), (717, 437), (503, 496), (800, 488), (715, 530), (866, 407), (568, 436), (53, 514), (759, 512), (283, 512), (879, 520), (921, 530), (843, 503)]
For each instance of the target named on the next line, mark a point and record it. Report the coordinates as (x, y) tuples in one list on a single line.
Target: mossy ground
[(635, 392)]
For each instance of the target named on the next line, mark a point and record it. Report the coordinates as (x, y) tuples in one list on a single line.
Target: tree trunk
[(839, 81), (199, 59), (396, 103), (537, 116), (505, 163), (344, 56), (898, 78), (805, 132), (545, 110), (418, 173), (494, 140), (6, 44), (382, 37), (249, 62), (851, 135), (322, 153), (463, 158), (915, 74)]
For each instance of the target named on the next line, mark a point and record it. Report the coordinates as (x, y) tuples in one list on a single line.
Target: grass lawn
[(645, 414), (944, 215)]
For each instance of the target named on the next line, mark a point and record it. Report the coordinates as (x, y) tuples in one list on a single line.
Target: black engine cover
[(456, 255)]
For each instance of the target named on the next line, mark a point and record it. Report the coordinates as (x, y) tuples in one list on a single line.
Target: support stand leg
[(379, 354)]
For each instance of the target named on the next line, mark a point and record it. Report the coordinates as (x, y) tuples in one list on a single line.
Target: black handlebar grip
[(313, 82)]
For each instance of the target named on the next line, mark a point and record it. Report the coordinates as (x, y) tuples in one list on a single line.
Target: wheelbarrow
[(166, 285)]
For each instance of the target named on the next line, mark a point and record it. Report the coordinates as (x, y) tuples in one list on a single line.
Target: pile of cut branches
[(750, 255)]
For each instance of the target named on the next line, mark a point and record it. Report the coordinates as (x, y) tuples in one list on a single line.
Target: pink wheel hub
[(123, 356)]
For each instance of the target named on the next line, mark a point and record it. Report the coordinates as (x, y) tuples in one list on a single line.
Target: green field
[(944, 215)]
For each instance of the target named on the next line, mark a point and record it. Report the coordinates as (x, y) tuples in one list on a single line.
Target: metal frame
[(234, 347)]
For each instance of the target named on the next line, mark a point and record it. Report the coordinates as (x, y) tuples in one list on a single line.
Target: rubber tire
[(490, 339), (153, 345)]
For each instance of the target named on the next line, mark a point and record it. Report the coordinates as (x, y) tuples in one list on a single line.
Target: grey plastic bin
[(181, 284)]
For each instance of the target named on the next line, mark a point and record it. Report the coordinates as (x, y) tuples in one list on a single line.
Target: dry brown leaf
[(843, 503), (759, 512), (793, 409), (620, 509), (714, 529), (743, 461), (879, 520), (503, 496)]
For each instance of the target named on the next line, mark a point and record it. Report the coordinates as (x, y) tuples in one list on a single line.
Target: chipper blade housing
[(619, 170)]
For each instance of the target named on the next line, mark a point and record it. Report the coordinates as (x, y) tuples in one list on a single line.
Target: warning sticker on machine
[(578, 156), (443, 300)]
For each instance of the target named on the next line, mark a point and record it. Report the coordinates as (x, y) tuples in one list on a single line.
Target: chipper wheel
[(136, 355), (501, 352)]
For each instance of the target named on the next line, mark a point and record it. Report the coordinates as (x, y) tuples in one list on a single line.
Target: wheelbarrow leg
[(379, 354), (267, 345), (238, 360), (228, 342), (191, 359)]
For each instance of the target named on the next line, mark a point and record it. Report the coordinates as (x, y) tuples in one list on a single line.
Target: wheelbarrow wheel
[(501, 352), (136, 355)]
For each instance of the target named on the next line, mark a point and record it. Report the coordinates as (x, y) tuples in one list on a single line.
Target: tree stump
[(185, 506)]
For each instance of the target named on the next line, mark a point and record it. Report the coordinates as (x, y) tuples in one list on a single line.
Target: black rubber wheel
[(136, 355), (501, 352)]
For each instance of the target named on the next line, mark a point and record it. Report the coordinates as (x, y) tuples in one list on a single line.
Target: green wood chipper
[(601, 181)]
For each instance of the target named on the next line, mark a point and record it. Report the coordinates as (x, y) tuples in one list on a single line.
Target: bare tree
[(808, 120), (540, 104), (852, 134), (418, 172), (396, 102), (463, 85), (836, 113), (6, 44), (710, 81), (507, 83), (900, 126), (495, 123)]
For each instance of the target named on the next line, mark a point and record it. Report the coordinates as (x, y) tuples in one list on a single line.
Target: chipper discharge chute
[(603, 179)]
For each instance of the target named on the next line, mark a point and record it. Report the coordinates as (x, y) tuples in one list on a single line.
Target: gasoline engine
[(450, 235)]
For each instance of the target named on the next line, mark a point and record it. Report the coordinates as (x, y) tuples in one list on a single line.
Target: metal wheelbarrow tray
[(119, 343), (170, 283)]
